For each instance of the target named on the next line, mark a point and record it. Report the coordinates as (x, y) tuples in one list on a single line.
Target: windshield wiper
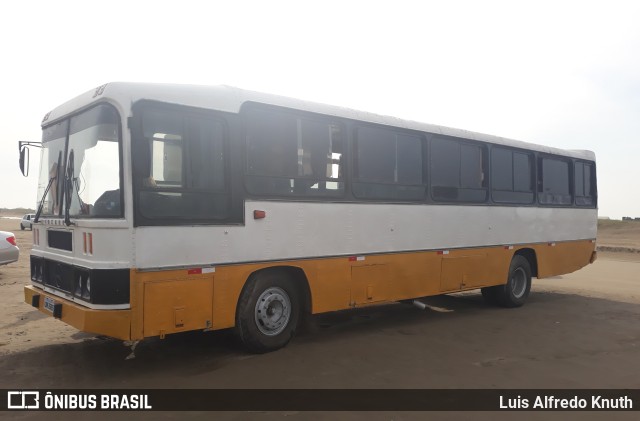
[(51, 180), (68, 187)]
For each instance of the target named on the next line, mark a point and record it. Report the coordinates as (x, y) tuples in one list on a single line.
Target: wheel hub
[(519, 282), (273, 311)]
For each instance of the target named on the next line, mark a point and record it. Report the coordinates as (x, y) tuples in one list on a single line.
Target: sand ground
[(580, 330)]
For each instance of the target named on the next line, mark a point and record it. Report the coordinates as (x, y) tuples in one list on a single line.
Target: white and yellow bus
[(168, 208)]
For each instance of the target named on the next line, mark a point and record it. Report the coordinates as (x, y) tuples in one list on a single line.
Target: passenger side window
[(553, 182), (457, 171), (387, 165), (584, 184), (511, 176), (291, 155)]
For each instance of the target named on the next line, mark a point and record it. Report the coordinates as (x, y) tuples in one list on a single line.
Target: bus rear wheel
[(515, 292), (268, 311)]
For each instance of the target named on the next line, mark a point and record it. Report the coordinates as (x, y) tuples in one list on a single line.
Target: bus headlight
[(36, 269), (86, 292), (78, 289), (83, 285)]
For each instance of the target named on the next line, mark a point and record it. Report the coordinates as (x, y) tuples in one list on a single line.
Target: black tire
[(22, 227), (515, 292), (268, 311)]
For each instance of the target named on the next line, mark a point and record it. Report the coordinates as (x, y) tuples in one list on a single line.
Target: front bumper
[(113, 323)]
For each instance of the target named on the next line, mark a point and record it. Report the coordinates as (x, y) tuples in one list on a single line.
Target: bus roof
[(231, 99)]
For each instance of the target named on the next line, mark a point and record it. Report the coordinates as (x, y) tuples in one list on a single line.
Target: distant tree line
[(17, 210)]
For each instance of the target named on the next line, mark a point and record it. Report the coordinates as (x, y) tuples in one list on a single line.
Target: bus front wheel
[(515, 292), (268, 311)]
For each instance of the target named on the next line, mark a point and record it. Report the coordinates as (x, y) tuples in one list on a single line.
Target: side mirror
[(23, 147), (24, 161)]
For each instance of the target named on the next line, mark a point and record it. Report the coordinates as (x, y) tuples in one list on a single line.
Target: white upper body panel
[(299, 230), (230, 99)]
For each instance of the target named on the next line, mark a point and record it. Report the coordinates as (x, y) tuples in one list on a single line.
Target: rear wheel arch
[(515, 291), (532, 258)]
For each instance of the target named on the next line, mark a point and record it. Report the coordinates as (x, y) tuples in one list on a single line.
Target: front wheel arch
[(270, 308)]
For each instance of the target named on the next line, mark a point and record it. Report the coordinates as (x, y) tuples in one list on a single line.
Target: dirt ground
[(576, 331), (619, 235)]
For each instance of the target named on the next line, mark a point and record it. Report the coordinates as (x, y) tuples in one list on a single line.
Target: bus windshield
[(81, 155)]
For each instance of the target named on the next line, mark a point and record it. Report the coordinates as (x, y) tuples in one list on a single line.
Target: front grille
[(97, 286), (61, 240)]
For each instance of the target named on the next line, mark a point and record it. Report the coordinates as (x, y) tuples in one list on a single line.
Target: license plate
[(48, 303)]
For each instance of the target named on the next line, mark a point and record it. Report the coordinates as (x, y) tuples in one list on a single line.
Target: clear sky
[(559, 73)]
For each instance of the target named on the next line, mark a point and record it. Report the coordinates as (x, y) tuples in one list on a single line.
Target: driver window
[(181, 166), (167, 160)]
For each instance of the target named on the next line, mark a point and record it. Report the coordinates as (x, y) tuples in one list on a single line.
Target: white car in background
[(27, 221), (9, 251)]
